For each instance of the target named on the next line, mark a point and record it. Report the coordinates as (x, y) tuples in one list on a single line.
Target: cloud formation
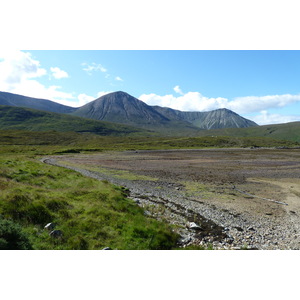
[(255, 104), (195, 101), (178, 90), (84, 99), (191, 101), (265, 118), (118, 78), (19, 74), (57, 73), (93, 67)]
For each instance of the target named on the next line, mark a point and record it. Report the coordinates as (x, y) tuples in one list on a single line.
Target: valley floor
[(240, 198)]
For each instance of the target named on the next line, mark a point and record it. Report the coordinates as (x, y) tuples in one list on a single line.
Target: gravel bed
[(219, 228)]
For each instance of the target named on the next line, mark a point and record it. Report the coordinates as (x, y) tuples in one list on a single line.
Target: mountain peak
[(121, 107)]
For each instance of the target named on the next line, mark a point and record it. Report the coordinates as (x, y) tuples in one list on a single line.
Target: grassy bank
[(91, 214), (52, 142)]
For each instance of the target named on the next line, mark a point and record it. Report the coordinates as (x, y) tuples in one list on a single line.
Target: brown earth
[(253, 193)]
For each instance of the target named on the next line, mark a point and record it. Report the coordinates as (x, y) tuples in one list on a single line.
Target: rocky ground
[(225, 198)]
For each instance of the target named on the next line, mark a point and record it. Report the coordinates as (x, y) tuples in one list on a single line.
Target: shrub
[(12, 237), (22, 208)]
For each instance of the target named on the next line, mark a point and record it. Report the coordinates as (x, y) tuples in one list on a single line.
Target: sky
[(262, 85)]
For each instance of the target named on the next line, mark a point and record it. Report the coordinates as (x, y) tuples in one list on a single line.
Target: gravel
[(220, 228)]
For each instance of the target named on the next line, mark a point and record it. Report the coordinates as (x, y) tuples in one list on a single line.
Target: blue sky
[(259, 85)]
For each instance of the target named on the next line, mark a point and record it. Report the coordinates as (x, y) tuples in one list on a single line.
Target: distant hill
[(18, 118), (220, 118), (34, 103), (287, 131)]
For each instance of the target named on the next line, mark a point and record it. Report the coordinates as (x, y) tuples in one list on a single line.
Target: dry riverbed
[(239, 198)]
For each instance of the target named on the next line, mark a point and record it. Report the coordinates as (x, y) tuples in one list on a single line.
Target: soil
[(240, 198)]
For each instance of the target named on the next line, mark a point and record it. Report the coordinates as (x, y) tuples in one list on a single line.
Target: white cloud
[(191, 101), (118, 78), (84, 99), (265, 118), (93, 67), (178, 90), (58, 73), (17, 66), (194, 101), (255, 104), (19, 72)]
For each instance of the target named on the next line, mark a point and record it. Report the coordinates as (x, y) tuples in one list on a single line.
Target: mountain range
[(122, 108)]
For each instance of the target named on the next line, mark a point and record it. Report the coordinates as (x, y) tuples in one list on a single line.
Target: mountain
[(220, 118), (34, 103), (18, 118), (123, 108)]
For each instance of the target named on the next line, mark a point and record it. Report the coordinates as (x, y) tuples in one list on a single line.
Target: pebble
[(266, 231)]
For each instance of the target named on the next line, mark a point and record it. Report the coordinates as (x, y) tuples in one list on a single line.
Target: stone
[(56, 233), (49, 226), (136, 200), (239, 228), (194, 226)]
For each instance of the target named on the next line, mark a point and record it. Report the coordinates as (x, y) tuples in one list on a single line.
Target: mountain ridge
[(120, 107), (17, 100), (20, 118), (139, 113)]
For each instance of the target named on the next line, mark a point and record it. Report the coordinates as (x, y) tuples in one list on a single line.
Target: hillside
[(220, 118), (286, 131), (122, 108), (34, 103), (17, 118)]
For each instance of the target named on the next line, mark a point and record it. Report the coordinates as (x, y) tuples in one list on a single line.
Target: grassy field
[(52, 142), (91, 214), (288, 131), (18, 118)]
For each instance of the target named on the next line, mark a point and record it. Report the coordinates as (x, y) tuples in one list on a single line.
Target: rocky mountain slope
[(220, 118), (34, 103), (19, 118), (120, 107)]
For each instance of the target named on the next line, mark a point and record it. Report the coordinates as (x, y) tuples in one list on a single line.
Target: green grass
[(287, 131), (52, 142), (91, 214), (18, 118)]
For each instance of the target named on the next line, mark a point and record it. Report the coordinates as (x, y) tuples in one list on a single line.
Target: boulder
[(49, 226), (193, 225), (56, 233)]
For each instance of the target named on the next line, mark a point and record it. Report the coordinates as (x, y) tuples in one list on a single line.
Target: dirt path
[(197, 186)]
